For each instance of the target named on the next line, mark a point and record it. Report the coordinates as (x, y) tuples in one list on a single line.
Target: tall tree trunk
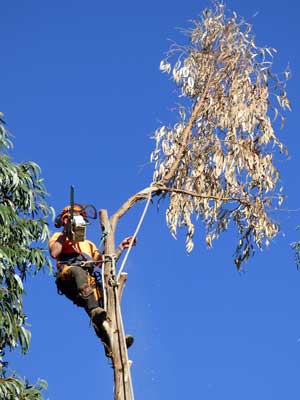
[(113, 289)]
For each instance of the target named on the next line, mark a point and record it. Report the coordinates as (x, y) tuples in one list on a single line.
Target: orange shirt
[(85, 246)]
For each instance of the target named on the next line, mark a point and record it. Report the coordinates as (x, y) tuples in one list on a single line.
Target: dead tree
[(216, 162)]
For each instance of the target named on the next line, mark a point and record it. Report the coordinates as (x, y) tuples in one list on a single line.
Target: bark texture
[(113, 289)]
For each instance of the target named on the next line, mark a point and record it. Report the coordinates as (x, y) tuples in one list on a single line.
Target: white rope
[(119, 316), (118, 277), (104, 234), (103, 285), (120, 327), (127, 367), (135, 234)]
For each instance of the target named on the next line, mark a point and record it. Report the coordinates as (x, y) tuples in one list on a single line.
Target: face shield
[(79, 220), (75, 220)]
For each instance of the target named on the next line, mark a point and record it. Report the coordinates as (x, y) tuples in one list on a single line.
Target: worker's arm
[(124, 245), (55, 247)]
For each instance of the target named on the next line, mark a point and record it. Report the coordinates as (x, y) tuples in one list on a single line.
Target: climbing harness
[(103, 238)]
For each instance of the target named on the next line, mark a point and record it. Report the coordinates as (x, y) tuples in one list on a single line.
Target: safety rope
[(120, 328), (135, 233), (119, 320), (90, 262), (103, 237), (118, 277), (124, 342), (103, 286)]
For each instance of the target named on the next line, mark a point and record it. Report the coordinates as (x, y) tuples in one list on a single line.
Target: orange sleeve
[(95, 252), (54, 238)]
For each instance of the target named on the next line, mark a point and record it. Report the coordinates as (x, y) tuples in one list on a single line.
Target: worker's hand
[(126, 242)]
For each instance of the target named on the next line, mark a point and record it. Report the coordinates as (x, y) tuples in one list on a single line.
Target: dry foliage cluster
[(217, 163)]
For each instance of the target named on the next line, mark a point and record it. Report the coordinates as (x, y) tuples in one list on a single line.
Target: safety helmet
[(77, 208), (86, 210)]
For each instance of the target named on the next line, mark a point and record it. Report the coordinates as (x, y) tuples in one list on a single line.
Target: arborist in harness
[(76, 257)]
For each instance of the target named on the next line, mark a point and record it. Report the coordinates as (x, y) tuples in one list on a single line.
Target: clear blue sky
[(82, 93)]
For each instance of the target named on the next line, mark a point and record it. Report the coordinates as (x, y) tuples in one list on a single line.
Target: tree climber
[(75, 257)]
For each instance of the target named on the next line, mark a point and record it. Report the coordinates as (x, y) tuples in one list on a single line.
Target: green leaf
[(24, 214)]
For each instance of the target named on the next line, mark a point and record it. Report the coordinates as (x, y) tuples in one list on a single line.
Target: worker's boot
[(102, 329), (129, 339), (98, 315)]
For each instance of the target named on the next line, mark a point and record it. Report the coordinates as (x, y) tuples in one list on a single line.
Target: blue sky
[(82, 93)]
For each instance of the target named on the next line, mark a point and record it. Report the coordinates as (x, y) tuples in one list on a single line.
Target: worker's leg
[(75, 284), (72, 281)]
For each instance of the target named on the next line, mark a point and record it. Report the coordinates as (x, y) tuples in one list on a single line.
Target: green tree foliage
[(23, 216)]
